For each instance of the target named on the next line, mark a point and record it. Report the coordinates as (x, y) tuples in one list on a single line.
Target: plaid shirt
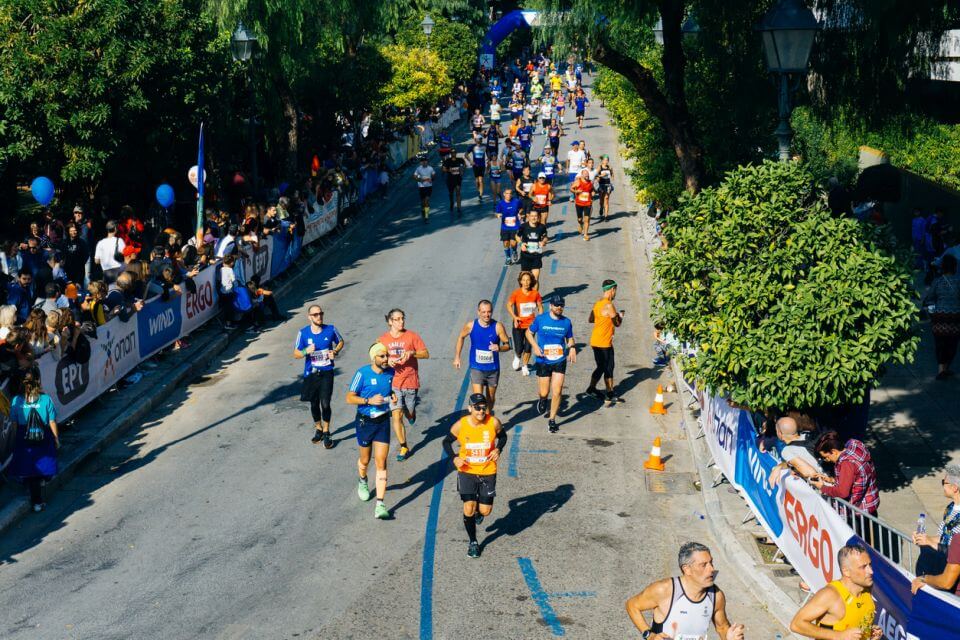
[(864, 493)]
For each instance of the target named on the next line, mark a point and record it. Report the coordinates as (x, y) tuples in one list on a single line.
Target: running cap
[(558, 301), (574, 143), (541, 175), (609, 284), (478, 400), (378, 348)]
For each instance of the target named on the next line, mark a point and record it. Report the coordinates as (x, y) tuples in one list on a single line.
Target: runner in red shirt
[(523, 305), (582, 189), (405, 348)]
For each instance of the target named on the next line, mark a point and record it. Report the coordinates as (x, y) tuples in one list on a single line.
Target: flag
[(200, 164)]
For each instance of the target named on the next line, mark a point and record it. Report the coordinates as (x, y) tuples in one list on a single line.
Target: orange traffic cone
[(658, 407), (654, 462)]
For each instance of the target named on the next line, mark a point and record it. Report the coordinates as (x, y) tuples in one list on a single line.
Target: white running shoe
[(516, 363), (526, 370)]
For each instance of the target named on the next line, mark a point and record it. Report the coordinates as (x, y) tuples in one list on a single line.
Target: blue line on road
[(433, 515), (554, 263), (539, 451), (573, 594), (540, 596), (514, 451), (563, 211)]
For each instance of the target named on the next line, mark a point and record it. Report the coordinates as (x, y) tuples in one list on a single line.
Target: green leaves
[(791, 307), (418, 77)]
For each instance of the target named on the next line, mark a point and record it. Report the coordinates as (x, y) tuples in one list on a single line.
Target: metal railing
[(889, 542)]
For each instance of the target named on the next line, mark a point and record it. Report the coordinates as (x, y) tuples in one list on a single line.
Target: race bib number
[(533, 247), (477, 453), (540, 198), (583, 197), (553, 352), (484, 357), (510, 222), (527, 309), (321, 358), (377, 412)]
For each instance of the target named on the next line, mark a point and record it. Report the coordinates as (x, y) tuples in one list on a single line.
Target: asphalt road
[(218, 519)]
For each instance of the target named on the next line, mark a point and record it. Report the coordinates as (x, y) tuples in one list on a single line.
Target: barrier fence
[(810, 530)]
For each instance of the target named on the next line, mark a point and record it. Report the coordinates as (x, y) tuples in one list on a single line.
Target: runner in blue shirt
[(551, 340), (493, 140), (488, 339), (444, 144), (580, 102), (372, 392), (518, 160), (318, 344), (508, 210), (548, 163), (525, 133), (478, 160)]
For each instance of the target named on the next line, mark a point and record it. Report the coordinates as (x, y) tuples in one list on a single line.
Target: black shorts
[(478, 171), (492, 152), (454, 182), (370, 430), (605, 188), (542, 211), (583, 210), (547, 369), (317, 386), (477, 488), (603, 356), (545, 122), (580, 113), (530, 261), (478, 129), (425, 192), (520, 343), (506, 235)]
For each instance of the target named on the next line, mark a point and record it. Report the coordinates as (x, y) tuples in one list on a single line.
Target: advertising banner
[(720, 426), (321, 223)]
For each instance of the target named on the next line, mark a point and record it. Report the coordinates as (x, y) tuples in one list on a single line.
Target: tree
[(787, 306), (453, 42), (418, 78)]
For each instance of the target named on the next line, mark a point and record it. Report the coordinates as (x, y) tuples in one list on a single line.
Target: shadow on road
[(522, 513)]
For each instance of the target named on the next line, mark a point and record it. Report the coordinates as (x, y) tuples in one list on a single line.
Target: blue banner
[(158, 324), (891, 593), (753, 468)]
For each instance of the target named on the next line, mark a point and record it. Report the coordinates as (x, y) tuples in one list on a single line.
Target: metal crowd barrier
[(893, 544)]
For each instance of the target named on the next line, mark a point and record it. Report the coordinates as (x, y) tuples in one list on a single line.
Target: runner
[(605, 186), (496, 176), (516, 108), (580, 102), (532, 238), (576, 159), (548, 163), (495, 110), (406, 350), (444, 143), (551, 339), (508, 210), (423, 175), (488, 339), (556, 82), (454, 166), (518, 161), (582, 190), (546, 111), (478, 160), (531, 112), (482, 440), (523, 305), (525, 133), (542, 194), (524, 187), (605, 318), (684, 607), (495, 88), (318, 344), (553, 136), (493, 140), (843, 609), (477, 121), (560, 106), (371, 392)]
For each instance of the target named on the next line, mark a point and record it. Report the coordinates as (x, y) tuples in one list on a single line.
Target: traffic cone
[(654, 462), (658, 407)]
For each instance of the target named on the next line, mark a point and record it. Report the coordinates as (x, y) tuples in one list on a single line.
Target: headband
[(607, 287), (376, 349)]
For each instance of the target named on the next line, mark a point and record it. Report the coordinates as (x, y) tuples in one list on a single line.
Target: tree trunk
[(669, 107), (290, 113)]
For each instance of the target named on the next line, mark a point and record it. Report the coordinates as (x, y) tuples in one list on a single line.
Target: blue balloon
[(165, 196), (42, 190)]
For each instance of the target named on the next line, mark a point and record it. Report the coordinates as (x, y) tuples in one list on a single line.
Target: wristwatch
[(646, 634)]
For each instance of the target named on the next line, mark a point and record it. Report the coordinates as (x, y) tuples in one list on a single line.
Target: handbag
[(117, 255), (35, 427)]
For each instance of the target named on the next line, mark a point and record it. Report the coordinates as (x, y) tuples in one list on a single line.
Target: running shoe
[(412, 420), (507, 262), (363, 490), (541, 405), (552, 425), (317, 437), (525, 370), (596, 393), (478, 518), (516, 363), (380, 512), (473, 551), (402, 454), (327, 441)]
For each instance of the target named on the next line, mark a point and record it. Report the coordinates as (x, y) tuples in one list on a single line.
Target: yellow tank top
[(859, 610), (602, 334), (476, 445)]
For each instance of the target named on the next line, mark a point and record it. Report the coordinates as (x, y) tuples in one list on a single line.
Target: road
[(218, 519)]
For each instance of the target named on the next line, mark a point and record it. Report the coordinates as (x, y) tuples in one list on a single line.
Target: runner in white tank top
[(687, 619)]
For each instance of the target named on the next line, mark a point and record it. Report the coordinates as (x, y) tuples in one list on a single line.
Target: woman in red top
[(856, 480), (582, 189)]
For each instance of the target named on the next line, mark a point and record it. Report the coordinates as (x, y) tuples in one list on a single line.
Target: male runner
[(371, 392), (488, 339), (605, 318), (580, 103), (453, 167), (508, 210), (548, 163), (518, 160), (576, 159), (553, 136), (684, 607), (525, 133), (542, 195), (493, 140), (523, 305), (406, 350), (482, 440), (551, 339), (444, 143), (524, 187), (478, 161), (496, 176), (495, 110), (546, 111), (844, 608), (582, 190), (423, 175), (477, 121), (318, 344), (532, 238)]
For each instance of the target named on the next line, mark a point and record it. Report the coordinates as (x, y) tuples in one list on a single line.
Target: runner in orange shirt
[(523, 306), (542, 193), (605, 318), (406, 348), (582, 189)]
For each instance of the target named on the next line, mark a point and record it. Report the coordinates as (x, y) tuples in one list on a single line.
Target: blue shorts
[(370, 430)]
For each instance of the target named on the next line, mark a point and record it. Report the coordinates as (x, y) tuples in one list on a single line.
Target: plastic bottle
[(922, 523)]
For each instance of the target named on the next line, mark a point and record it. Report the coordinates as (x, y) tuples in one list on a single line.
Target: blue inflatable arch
[(499, 31)]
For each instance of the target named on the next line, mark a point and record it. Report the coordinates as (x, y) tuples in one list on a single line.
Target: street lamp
[(242, 43), (427, 25), (788, 30), (690, 29)]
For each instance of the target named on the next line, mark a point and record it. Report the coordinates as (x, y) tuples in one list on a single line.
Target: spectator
[(52, 323), (35, 332), (934, 548), (228, 286), (93, 307), (8, 319), (262, 301), (271, 221), (131, 228), (109, 253), (20, 293), (52, 228), (84, 226), (76, 255), (37, 439), (51, 293), (73, 343), (944, 298), (10, 259), (166, 284), (228, 243), (856, 478), (36, 233), (794, 451), (947, 578), (122, 301), (33, 258)]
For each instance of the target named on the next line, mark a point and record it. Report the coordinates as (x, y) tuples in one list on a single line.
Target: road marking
[(563, 211), (433, 515), (573, 594), (554, 262), (540, 597), (513, 457)]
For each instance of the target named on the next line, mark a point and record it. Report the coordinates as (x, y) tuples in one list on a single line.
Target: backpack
[(36, 430)]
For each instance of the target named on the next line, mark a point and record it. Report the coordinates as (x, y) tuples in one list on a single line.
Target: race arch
[(500, 30)]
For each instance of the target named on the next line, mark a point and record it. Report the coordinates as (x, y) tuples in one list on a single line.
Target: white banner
[(323, 222), (720, 422)]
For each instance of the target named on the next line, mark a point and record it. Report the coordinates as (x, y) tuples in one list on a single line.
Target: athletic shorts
[(547, 369), (478, 129), (583, 210), (425, 192), (492, 152), (485, 378), (507, 235), (454, 182), (530, 261), (580, 113), (545, 122), (527, 205), (605, 188), (603, 356), (370, 430), (520, 343), (406, 398), (318, 385), (542, 211), (477, 488), (478, 171)]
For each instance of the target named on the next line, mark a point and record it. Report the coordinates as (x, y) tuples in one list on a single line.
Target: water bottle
[(922, 523)]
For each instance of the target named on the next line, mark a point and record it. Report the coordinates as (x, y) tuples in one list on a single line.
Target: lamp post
[(690, 29), (427, 25), (242, 43), (788, 30)]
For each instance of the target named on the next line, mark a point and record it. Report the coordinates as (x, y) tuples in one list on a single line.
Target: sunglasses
[(315, 315), (479, 407)]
